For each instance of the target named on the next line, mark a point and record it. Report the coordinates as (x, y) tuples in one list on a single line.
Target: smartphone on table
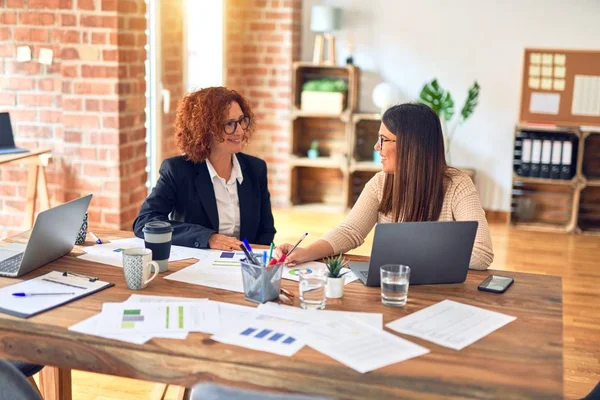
[(496, 284)]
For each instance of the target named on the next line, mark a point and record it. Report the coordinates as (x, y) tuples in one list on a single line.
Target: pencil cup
[(261, 283), (136, 267)]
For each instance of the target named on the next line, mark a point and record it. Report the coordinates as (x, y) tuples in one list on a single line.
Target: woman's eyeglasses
[(231, 126), (381, 140)]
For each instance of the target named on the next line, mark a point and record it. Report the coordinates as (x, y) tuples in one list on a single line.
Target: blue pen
[(249, 255), (252, 257), (96, 238), (265, 258), (40, 294)]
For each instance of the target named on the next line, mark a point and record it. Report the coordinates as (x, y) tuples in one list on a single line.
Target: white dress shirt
[(228, 202)]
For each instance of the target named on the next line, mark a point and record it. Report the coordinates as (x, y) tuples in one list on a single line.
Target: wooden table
[(520, 360), (36, 179)]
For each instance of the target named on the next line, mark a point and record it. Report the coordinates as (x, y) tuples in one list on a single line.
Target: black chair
[(594, 394), (14, 384)]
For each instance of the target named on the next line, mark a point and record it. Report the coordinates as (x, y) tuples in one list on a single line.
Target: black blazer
[(185, 197)]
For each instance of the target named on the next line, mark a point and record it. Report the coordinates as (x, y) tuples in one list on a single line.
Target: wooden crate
[(358, 180), (366, 133), (542, 204), (304, 71), (589, 210), (325, 186), (591, 157), (330, 132)]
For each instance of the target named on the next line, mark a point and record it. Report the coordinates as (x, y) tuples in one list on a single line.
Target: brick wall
[(88, 106), (171, 21), (262, 40)]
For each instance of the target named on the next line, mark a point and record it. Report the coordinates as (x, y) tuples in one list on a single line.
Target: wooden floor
[(574, 257)]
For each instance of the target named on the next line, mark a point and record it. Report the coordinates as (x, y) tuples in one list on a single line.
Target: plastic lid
[(158, 227)]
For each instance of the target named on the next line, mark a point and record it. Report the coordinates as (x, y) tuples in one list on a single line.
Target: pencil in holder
[(262, 283)]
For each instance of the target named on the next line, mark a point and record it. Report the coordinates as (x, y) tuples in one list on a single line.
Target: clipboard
[(72, 286)]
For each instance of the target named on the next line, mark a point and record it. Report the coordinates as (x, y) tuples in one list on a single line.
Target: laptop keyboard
[(11, 265), (364, 273)]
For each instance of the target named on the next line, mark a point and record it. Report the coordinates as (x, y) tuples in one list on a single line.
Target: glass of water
[(312, 291), (394, 284)]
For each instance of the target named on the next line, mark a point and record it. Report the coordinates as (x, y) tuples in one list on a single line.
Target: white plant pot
[(334, 289)]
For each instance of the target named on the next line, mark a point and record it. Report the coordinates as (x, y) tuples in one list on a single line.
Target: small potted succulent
[(313, 152), (334, 288)]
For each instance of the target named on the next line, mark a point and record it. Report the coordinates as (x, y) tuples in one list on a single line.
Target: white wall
[(408, 42)]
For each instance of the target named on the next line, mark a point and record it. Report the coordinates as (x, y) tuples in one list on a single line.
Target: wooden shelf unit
[(326, 181), (571, 206)]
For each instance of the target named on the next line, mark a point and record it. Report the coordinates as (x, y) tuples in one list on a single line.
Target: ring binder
[(91, 278)]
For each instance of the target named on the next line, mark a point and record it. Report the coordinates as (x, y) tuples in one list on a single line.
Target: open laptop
[(53, 236), (436, 252), (7, 141)]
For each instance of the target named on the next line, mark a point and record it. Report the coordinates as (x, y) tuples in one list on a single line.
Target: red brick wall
[(88, 106), (171, 21), (262, 40)]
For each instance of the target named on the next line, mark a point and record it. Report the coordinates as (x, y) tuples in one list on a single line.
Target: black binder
[(526, 154), (556, 157), (536, 155), (546, 157), (568, 150)]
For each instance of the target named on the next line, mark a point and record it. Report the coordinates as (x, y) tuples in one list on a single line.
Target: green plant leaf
[(437, 99), (335, 265), (471, 102), (325, 85)]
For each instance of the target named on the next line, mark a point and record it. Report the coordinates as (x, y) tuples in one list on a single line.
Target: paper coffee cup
[(157, 237)]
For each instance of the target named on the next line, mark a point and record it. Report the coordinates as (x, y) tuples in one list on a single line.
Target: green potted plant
[(313, 152), (334, 287), (441, 102), (324, 96)]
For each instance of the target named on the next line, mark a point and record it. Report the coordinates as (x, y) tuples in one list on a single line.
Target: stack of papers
[(112, 253)]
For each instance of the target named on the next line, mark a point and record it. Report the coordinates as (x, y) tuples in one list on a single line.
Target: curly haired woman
[(213, 194)]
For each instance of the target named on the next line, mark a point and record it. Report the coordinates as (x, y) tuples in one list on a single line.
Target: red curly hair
[(201, 116)]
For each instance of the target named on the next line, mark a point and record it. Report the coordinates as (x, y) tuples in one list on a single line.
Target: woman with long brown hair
[(415, 185), (213, 195)]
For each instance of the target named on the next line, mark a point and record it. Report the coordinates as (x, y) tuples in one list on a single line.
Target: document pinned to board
[(451, 324)]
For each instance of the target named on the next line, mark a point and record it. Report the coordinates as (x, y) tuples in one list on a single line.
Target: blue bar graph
[(263, 333), (276, 337), (289, 340), (248, 331)]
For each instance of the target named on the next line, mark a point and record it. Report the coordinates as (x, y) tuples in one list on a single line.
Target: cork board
[(560, 87)]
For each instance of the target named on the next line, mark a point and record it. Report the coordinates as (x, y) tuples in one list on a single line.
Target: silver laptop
[(53, 236), (436, 252)]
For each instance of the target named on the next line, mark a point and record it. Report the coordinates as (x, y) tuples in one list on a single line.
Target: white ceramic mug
[(136, 267)]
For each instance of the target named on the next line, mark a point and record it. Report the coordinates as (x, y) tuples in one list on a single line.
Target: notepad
[(52, 282)]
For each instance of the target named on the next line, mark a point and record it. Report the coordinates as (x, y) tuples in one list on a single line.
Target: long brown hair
[(415, 192), (200, 118)]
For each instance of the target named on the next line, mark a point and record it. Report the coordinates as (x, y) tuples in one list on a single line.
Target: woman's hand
[(298, 256), (221, 242)]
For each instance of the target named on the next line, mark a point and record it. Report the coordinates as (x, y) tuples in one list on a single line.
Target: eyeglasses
[(381, 140), (231, 126)]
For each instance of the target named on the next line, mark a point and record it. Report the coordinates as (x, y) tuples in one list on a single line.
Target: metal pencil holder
[(261, 283)]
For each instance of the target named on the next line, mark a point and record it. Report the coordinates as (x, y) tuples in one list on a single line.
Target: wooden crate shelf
[(325, 186), (329, 132), (589, 210), (358, 180), (319, 162), (561, 205)]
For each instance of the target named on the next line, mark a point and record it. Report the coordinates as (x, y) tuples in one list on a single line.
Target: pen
[(293, 248), (264, 257), (271, 251), (40, 294), (96, 238), (249, 256)]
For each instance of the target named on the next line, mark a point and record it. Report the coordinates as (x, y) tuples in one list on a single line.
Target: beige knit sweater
[(461, 203)]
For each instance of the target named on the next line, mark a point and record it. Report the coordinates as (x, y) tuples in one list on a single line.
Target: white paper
[(451, 324), (358, 345), (46, 56), (544, 103), (232, 315), (262, 336), (52, 282), (141, 298), (93, 326), (112, 253), (372, 319), (227, 278), (150, 318), (308, 268), (586, 96), (23, 53)]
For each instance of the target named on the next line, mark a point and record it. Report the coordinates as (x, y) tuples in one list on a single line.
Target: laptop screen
[(6, 134)]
